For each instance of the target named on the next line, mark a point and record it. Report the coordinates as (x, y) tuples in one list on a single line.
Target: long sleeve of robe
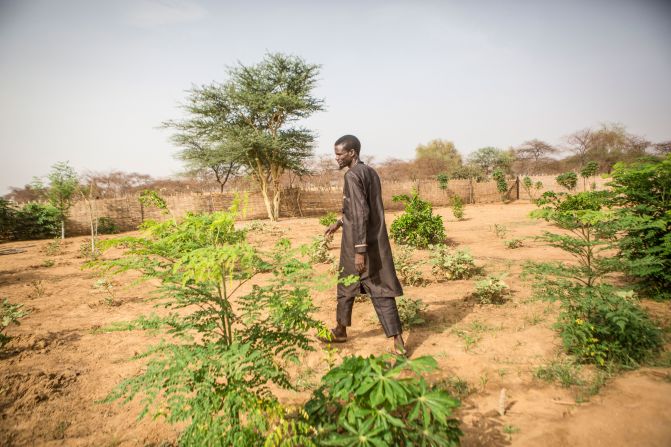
[(364, 231)]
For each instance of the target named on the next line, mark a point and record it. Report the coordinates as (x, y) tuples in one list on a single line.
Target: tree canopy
[(441, 152), (490, 158), (252, 120)]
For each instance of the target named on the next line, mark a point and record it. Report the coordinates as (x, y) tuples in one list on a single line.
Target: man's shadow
[(440, 317)]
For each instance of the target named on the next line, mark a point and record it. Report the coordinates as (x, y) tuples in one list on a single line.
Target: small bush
[(54, 247), (566, 372), (491, 290), (36, 221), (409, 311), (568, 180), (107, 226), (318, 250), (9, 314), (501, 183), (457, 207), (449, 265), (417, 226), (603, 325), (375, 401), (408, 269), (443, 180), (514, 243), (328, 219), (500, 230)]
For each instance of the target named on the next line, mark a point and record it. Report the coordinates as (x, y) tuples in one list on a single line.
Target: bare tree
[(580, 143), (663, 148)]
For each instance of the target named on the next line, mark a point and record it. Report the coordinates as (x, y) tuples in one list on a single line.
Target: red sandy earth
[(56, 369)]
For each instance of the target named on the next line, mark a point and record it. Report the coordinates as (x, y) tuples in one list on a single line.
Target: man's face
[(343, 156)]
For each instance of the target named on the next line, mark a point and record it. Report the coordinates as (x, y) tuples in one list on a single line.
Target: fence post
[(517, 187)]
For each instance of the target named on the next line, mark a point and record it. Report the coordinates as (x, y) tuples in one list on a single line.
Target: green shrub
[(417, 226), (318, 250), (531, 188), (377, 402), (229, 346), (643, 206), (568, 180), (9, 314), (328, 219), (457, 207), (566, 372), (602, 325), (501, 183), (443, 180), (106, 225), (408, 270), (452, 265), (409, 311), (7, 220), (491, 290), (34, 221)]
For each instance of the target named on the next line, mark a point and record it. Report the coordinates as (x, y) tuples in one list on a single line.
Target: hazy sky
[(90, 81)]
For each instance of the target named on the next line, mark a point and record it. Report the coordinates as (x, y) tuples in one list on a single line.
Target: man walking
[(365, 249)]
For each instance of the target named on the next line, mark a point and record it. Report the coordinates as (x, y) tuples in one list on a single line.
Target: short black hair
[(349, 142)]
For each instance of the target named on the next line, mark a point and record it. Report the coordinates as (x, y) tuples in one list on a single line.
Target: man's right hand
[(333, 228)]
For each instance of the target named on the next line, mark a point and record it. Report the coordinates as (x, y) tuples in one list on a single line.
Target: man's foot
[(337, 336), (399, 346)]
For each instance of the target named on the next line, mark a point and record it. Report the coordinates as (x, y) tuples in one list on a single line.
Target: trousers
[(386, 310)]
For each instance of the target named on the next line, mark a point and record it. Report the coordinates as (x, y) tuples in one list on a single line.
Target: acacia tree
[(252, 119), (535, 150), (490, 158), (200, 152)]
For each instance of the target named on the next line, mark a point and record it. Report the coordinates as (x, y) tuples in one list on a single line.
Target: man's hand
[(333, 228), (360, 262)]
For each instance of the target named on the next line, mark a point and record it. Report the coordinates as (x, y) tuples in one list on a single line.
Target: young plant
[(568, 180), (376, 401), (501, 183), (598, 323), (318, 250), (531, 188), (417, 226), (448, 265), (589, 170), (9, 314), (491, 290), (642, 202), (443, 180), (409, 311), (107, 286), (227, 350), (457, 207), (407, 268), (500, 230), (328, 219), (514, 243)]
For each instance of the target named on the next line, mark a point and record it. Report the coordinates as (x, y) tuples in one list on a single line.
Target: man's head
[(346, 150)]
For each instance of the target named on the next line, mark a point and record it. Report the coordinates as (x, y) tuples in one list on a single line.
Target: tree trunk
[(266, 201), (276, 204), (63, 229)]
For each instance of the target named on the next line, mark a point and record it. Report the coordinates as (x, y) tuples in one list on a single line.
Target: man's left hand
[(360, 262)]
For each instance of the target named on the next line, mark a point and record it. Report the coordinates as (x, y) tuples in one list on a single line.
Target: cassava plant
[(228, 348), (381, 401)]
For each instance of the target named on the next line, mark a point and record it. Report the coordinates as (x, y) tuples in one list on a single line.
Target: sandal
[(334, 338)]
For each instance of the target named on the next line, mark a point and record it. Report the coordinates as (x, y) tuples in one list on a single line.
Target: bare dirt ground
[(57, 368)]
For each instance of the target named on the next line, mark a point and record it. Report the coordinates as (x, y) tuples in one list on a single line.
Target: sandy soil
[(57, 368)]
